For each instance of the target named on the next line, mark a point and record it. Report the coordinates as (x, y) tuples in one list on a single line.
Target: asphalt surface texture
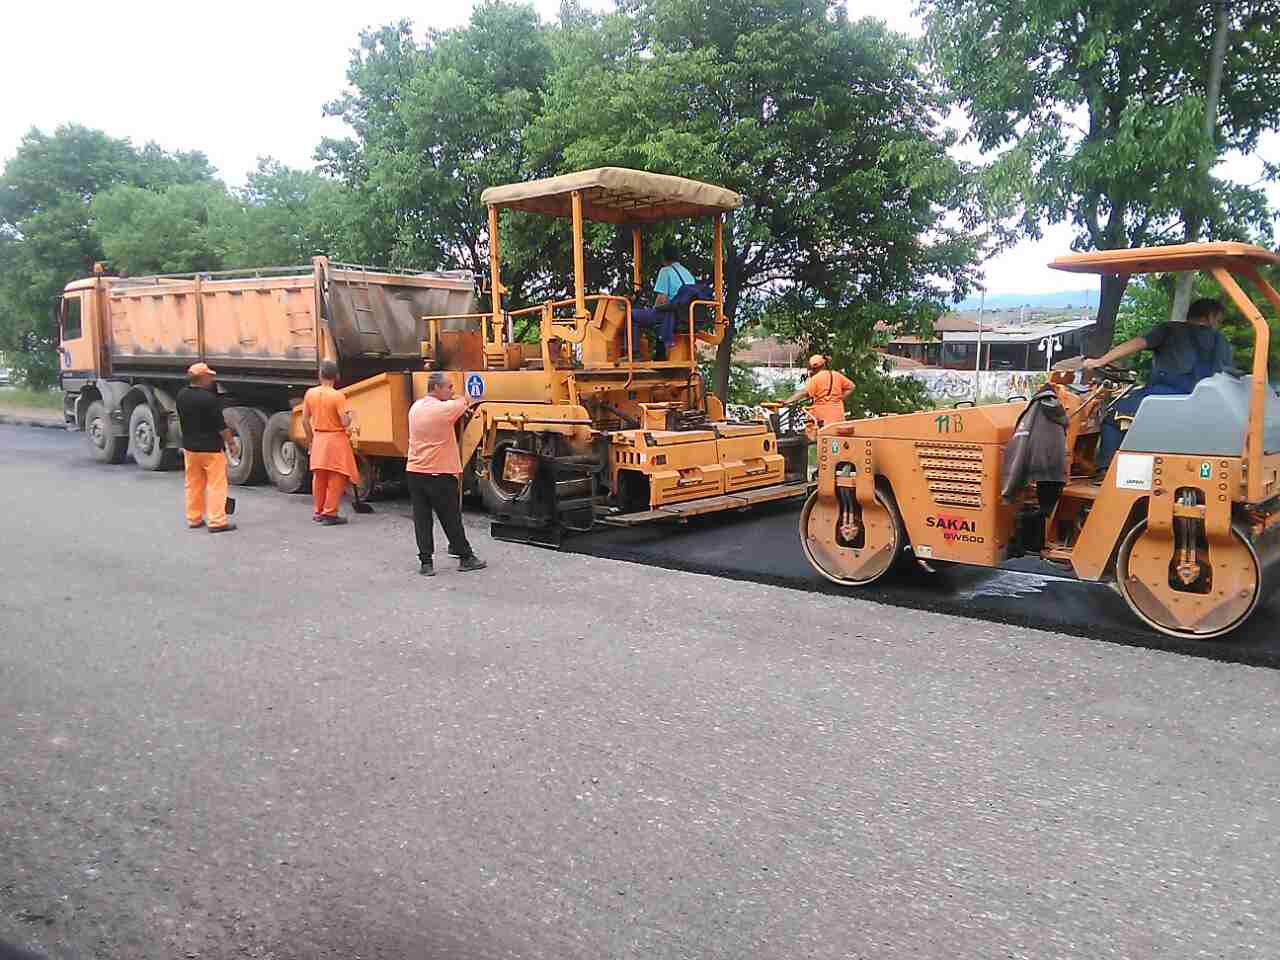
[(763, 546), (281, 743)]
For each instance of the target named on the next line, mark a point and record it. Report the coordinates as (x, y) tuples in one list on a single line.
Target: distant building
[(1027, 346), (927, 353), (1007, 343)]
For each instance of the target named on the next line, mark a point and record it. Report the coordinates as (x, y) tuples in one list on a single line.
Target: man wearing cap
[(204, 435), (827, 391), (328, 421)]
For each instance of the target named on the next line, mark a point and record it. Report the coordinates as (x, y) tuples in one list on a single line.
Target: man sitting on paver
[(672, 278)]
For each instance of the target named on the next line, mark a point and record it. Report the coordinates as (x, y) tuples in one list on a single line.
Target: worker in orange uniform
[(329, 422), (204, 436), (827, 391), (432, 472)]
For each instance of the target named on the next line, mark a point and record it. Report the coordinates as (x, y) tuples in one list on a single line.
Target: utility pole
[(977, 364), (1213, 88)]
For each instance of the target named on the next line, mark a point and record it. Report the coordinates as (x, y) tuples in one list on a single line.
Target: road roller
[(1184, 521)]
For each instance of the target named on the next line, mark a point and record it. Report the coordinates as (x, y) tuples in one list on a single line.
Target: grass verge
[(11, 397)]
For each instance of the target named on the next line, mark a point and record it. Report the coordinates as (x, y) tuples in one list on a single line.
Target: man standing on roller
[(827, 391)]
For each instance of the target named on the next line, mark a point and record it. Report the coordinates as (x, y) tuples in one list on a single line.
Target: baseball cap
[(201, 369)]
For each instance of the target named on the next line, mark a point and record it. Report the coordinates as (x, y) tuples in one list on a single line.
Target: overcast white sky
[(240, 80)]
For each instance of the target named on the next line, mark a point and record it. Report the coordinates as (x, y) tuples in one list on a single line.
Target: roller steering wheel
[(1116, 373)]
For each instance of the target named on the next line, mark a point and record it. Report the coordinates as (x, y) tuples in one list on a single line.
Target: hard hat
[(201, 369), (817, 361)]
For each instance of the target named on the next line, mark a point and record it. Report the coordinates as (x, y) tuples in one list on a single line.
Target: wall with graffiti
[(943, 386), (948, 386)]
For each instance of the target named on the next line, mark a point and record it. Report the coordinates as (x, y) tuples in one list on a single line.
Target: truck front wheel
[(287, 464), (106, 446)]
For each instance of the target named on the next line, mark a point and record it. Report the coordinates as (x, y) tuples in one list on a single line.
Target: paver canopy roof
[(616, 195), (1183, 256)]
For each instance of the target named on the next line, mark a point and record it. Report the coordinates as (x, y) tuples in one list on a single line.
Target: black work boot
[(427, 569), (471, 563)]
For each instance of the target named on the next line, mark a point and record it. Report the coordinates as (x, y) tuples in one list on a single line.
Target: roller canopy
[(616, 195), (1185, 256)]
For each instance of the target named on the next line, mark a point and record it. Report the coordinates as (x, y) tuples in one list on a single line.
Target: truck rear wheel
[(287, 464), (145, 444), (246, 466), (106, 447)]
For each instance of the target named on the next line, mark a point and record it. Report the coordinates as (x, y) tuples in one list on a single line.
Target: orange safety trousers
[(206, 483), (327, 487)]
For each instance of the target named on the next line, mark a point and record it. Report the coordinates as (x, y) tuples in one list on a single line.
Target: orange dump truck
[(126, 345)]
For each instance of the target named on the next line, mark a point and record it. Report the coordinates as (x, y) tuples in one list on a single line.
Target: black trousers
[(438, 492)]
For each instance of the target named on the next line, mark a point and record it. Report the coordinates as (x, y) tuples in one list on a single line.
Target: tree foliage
[(1096, 113), (172, 230), (77, 196), (46, 230), (285, 216), (435, 124), (826, 128)]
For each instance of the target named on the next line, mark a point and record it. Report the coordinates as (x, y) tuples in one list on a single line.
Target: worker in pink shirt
[(433, 472)]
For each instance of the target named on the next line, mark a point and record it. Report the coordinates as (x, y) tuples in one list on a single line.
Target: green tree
[(46, 232), (285, 216), (179, 229), (825, 126), (1096, 112), (435, 124)]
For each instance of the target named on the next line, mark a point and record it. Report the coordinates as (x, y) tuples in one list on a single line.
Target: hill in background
[(1062, 300)]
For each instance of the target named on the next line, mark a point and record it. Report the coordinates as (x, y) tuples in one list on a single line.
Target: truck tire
[(144, 441), (288, 465), (106, 447), (247, 467)]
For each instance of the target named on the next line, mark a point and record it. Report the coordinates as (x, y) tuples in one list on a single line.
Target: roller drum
[(1244, 576)]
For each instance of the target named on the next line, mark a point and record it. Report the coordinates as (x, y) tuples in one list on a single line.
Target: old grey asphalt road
[(281, 743)]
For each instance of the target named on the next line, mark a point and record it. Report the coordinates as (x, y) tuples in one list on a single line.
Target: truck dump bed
[(276, 325)]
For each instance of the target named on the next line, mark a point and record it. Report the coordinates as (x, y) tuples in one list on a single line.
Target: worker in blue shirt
[(671, 278)]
